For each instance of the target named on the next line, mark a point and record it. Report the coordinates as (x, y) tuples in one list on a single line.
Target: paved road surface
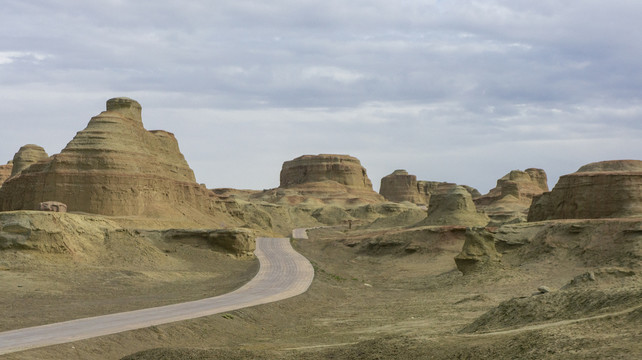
[(283, 273), (300, 233)]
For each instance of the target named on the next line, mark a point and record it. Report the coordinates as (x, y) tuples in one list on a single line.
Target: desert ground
[(392, 293)]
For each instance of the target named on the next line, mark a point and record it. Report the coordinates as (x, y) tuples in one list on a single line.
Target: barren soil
[(377, 294)]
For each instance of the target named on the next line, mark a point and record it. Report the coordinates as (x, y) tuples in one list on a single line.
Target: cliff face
[(401, 186), (112, 167), (429, 188), (5, 172), (608, 189), (322, 179), (511, 198), (343, 169)]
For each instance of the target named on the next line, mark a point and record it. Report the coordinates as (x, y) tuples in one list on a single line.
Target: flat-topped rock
[(401, 186), (607, 189), (343, 169), (128, 108), (323, 179), (612, 166)]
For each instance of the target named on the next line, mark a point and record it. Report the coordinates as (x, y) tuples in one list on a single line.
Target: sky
[(461, 91)]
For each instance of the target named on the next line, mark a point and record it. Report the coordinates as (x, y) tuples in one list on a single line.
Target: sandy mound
[(431, 240), (455, 207), (603, 278), (394, 215), (590, 243), (556, 306)]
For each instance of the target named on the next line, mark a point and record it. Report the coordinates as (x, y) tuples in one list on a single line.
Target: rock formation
[(54, 206), (428, 188), (323, 179), (521, 185), (454, 208), (240, 242), (512, 197), (478, 253), (5, 172), (112, 167), (343, 169), (401, 186), (607, 189), (27, 156)]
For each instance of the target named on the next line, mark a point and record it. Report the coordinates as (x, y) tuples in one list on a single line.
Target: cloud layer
[(460, 91)]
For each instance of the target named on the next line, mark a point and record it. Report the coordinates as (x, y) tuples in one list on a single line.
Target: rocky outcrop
[(478, 253), (520, 185), (240, 242), (113, 167), (5, 172), (53, 232), (54, 206), (607, 189), (513, 195), (455, 207), (322, 179), (343, 169), (27, 156), (401, 186), (428, 188)]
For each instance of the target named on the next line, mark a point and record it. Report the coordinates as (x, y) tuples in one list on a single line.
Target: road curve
[(283, 273)]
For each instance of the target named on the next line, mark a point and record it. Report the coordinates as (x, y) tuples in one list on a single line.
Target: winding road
[(283, 273)]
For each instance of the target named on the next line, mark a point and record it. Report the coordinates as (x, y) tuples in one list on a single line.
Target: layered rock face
[(323, 179), (607, 189), (429, 188), (343, 169), (454, 208), (27, 156), (512, 197), (112, 167), (401, 186), (521, 185), (5, 172)]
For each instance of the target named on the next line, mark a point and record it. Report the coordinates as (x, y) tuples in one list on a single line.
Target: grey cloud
[(482, 85)]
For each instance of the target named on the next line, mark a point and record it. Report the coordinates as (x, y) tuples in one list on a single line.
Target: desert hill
[(113, 167)]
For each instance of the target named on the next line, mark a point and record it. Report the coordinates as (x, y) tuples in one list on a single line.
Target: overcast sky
[(459, 91)]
